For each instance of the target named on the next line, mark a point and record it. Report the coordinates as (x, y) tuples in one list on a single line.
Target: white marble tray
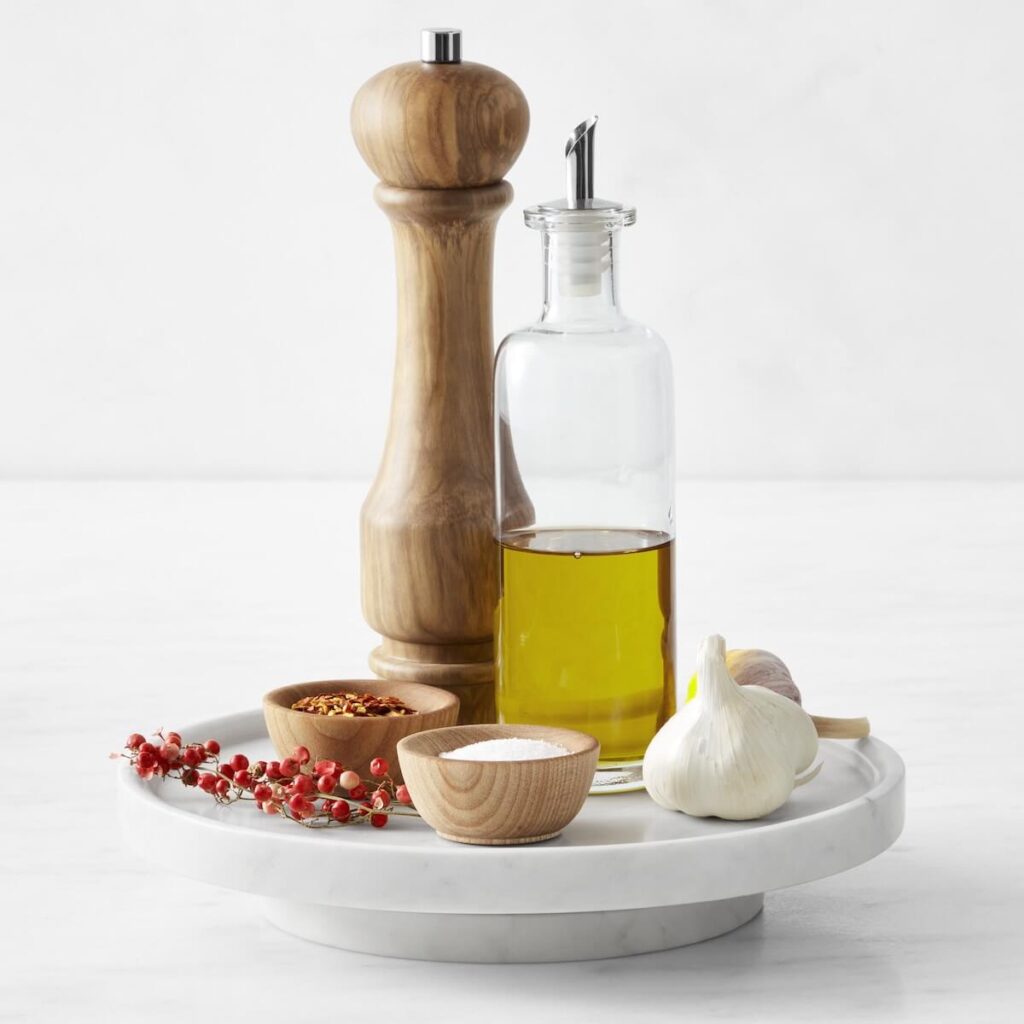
[(625, 877)]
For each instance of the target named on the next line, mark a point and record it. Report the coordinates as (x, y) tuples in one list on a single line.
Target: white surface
[(851, 812), (133, 606), (512, 938), (195, 281)]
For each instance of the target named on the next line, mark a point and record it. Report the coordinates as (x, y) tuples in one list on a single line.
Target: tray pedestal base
[(512, 938)]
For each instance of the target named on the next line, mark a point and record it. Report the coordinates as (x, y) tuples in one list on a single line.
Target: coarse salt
[(511, 749)]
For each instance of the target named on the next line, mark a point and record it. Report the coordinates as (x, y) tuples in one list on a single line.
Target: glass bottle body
[(584, 442)]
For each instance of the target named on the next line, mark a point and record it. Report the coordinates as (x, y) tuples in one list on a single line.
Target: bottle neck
[(581, 276)]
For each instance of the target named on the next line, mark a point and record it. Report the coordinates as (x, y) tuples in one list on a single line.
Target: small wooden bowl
[(354, 742), (497, 803)]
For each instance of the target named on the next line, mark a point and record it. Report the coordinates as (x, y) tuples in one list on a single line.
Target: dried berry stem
[(289, 788)]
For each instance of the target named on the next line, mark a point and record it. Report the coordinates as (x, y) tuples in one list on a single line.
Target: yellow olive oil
[(585, 634)]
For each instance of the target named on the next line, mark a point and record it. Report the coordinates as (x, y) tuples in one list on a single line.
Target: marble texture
[(131, 606), (513, 938), (852, 812)]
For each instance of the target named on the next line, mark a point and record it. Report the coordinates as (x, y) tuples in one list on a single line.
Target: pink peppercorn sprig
[(321, 795)]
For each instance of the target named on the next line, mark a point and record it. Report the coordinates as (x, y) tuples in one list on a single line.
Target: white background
[(194, 280)]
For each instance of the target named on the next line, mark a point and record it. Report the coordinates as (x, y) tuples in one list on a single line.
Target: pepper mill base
[(467, 670)]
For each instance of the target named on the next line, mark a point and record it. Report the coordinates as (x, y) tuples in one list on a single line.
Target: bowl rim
[(273, 698), (408, 744)]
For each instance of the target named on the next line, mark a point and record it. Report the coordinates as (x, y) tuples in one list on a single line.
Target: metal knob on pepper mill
[(441, 134)]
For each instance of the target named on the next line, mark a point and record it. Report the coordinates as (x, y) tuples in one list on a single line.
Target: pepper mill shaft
[(440, 136)]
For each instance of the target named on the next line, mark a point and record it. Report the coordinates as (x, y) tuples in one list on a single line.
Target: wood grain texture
[(497, 803), (467, 670), (429, 565), (440, 126), (354, 742), (440, 137)]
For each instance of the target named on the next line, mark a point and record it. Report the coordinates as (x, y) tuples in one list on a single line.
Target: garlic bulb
[(762, 668), (731, 752), (758, 668)]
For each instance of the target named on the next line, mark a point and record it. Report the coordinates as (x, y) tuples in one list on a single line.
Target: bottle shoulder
[(621, 333)]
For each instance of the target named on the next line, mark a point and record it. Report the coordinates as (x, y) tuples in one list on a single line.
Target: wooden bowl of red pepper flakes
[(352, 721)]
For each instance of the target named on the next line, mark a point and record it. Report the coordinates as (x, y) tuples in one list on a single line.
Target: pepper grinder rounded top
[(440, 122)]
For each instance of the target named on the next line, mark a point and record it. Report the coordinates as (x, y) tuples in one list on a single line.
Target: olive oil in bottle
[(586, 634), (585, 482)]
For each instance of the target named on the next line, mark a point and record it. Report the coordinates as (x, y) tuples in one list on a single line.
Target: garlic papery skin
[(762, 668), (731, 752), (756, 668)]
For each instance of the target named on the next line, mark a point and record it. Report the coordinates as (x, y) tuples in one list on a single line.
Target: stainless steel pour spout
[(579, 165)]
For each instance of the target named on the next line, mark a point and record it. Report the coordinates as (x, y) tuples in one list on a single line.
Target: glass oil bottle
[(585, 490)]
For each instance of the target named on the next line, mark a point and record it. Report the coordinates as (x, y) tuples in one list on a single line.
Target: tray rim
[(790, 852)]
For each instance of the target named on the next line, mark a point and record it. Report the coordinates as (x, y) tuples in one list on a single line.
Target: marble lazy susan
[(624, 877)]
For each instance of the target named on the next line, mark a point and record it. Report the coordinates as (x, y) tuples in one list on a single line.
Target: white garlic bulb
[(762, 668), (731, 752)]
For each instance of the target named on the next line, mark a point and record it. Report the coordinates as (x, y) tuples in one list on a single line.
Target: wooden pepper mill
[(441, 135)]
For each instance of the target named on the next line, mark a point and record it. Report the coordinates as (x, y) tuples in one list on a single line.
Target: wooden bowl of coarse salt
[(498, 785)]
